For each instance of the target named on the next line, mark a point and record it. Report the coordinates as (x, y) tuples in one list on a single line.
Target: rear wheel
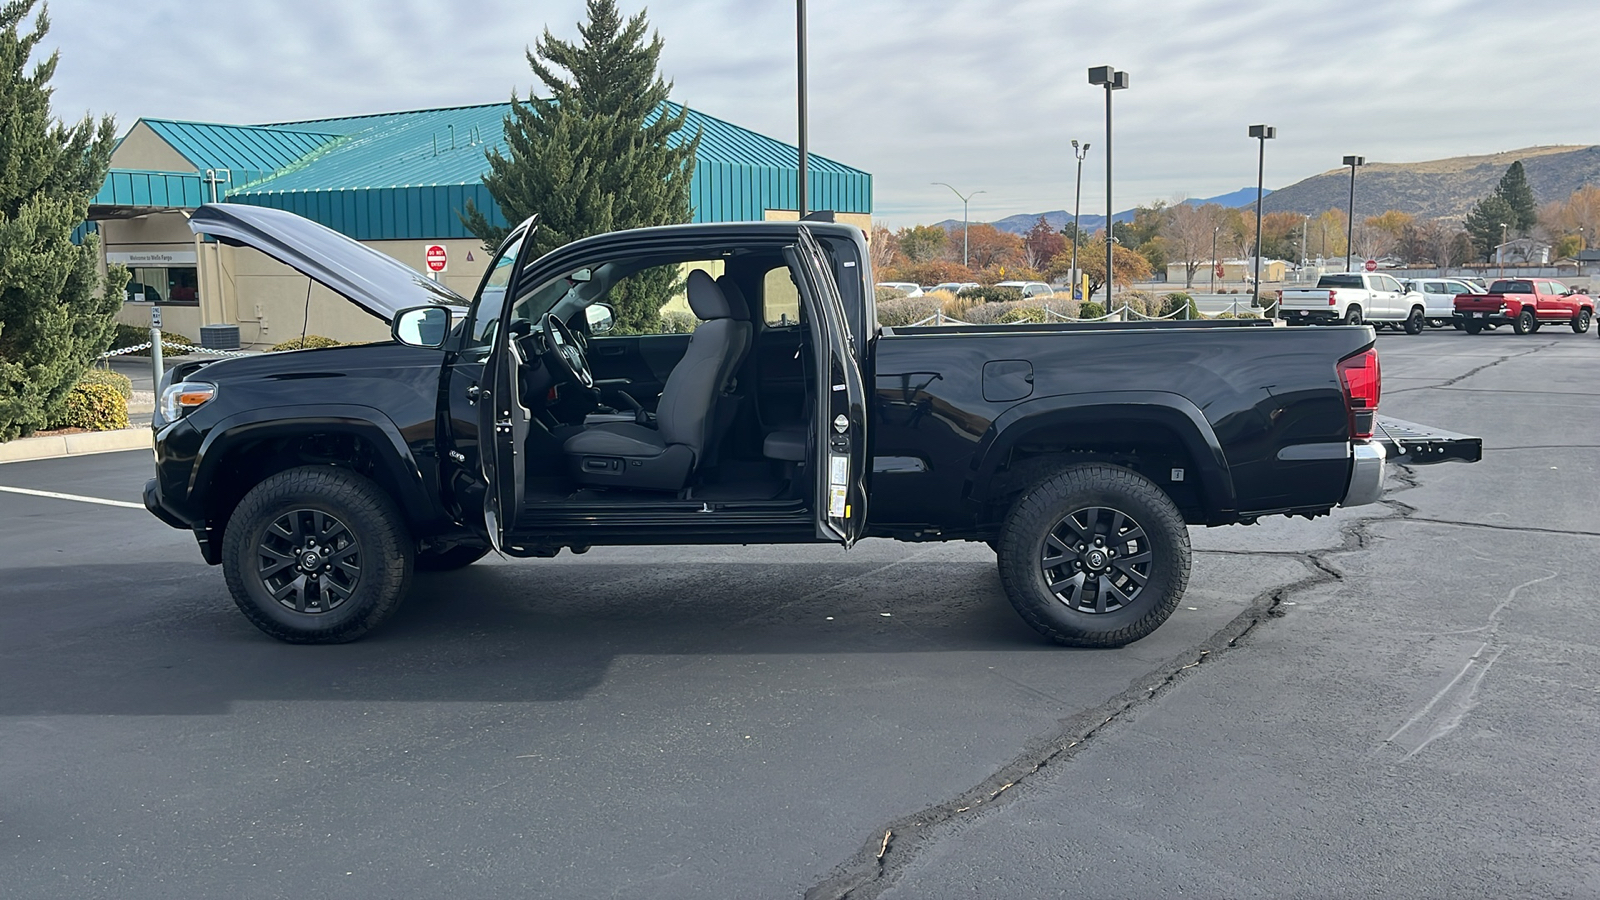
[(1353, 316), (1094, 556), (316, 555), (1524, 323), (1436, 323), (1414, 322), (1473, 326), (1580, 322)]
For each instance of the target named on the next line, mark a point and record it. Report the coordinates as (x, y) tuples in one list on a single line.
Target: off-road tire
[(1525, 323), (1415, 322), (1580, 322), (1352, 316), (384, 560), (1472, 326), (1044, 507), (458, 557)]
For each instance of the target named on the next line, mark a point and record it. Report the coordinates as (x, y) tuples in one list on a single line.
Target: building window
[(172, 286)]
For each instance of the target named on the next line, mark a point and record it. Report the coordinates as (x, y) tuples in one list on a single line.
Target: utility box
[(219, 337)]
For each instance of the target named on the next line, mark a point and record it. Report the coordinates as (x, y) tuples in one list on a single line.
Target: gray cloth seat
[(786, 444), (630, 455)]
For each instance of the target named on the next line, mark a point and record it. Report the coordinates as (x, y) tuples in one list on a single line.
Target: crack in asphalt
[(1473, 371), (1564, 532), (877, 865)]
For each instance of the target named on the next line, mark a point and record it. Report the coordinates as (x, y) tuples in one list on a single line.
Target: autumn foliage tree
[(1127, 265)]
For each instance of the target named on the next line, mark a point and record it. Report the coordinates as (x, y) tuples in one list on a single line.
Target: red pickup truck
[(1525, 304)]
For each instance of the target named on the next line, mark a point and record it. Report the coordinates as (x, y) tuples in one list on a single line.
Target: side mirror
[(421, 326), (601, 318)]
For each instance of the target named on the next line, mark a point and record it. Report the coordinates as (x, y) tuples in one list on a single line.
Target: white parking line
[(81, 499)]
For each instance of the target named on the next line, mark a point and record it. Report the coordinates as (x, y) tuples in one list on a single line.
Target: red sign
[(437, 258), (1219, 270), (1372, 265)]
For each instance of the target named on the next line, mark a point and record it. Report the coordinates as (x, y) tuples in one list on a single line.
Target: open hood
[(374, 281)]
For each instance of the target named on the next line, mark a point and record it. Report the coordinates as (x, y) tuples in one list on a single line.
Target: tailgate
[(1305, 300), (1424, 444)]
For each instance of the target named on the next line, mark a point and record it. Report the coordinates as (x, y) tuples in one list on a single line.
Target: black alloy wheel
[(1094, 555), (1580, 322), (1525, 323), (1414, 322), (1353, 316), (317, 555)]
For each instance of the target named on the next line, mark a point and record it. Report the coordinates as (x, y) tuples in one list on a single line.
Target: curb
[(58, 445)]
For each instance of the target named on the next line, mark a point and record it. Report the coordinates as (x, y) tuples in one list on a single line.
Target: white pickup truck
[(1351, 298)]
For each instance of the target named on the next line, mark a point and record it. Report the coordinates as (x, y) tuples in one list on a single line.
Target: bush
[(903, 311), (991, 294), (679, 322), (883, 294), (116, 380), (1176, 301), (1141, 302), (96, 407), (172, 343), (1027, 314), (309, 342), (1091, 309)]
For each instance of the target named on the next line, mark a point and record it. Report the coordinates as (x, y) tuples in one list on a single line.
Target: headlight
[(180, 399)]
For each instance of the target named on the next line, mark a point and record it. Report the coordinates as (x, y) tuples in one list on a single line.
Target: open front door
[(501, 418), (839, 429)]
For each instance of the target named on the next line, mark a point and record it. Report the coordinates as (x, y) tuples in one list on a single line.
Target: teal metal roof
[(132, 187), (248, 151)]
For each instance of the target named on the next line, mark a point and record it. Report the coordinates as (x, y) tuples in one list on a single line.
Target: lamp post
[(1111, 80), (1262, 134), (1305, 230), (1350, 238), (1077, 204), (1214, 230), (800, 57), (964, 201), (1500, 251)]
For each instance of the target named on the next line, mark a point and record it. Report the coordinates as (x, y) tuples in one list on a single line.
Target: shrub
[(884, 294), (1141, 302), (172, 343), (903, 311), (309, 342), (678, 322), (120, 382), (991, 294), (1091, 309), (1027, 314), (97, 407), (1176, 301)]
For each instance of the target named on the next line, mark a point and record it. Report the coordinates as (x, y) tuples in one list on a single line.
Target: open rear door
[(839, 432)]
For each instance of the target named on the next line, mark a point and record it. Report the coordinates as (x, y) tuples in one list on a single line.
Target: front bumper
[(1366, 474), (152, 502)]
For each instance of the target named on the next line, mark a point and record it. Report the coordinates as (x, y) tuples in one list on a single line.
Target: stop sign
[(436, 257), (1372, 265)]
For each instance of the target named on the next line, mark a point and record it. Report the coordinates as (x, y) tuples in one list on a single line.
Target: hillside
[(1441, 188), (1061, 218)]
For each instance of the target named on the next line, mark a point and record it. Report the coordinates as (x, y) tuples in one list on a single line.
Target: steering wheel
[(565, 354)]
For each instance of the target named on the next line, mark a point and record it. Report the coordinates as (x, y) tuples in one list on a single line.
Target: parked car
[(1439, 296), (1352, 298), (1031, 290), (1526, 304), (906, 288), (320, 480), (954, 287)]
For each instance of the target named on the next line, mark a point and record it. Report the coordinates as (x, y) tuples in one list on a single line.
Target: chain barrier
[(170, 348)]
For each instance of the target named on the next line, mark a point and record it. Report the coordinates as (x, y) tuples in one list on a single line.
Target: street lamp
[(1350, 238), (1077, 203), (964, 201), (1262, 133), (1111, 80), (800, 57), (1500, 251), (1305, 230)]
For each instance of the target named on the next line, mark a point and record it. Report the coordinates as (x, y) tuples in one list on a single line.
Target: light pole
[(1350, 238), (1500, 251), (964, 201), (1305, 230), (800, 57), (1214, 230), (1262, 134), (1111, 80), (1077, 204)]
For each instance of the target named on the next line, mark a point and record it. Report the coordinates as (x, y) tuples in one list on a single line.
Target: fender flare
[(399, 465), (1172, 411)]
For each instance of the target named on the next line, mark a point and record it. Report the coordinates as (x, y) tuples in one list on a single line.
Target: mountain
[(1061, 218), (1441, 188)]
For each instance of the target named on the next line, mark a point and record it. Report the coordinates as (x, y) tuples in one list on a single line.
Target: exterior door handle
[(473, 393)]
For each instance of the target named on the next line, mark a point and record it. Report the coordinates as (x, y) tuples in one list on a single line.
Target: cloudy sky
[(984, 95)]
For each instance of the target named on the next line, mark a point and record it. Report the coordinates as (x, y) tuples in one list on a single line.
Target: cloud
[(984, 95)]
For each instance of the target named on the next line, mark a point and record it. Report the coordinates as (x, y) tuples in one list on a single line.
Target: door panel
[(780, 372)]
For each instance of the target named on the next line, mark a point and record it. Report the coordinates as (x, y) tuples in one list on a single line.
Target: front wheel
[(1580, 322), (317, 555), (1094, 556), (1414, 322), (1353, 316)]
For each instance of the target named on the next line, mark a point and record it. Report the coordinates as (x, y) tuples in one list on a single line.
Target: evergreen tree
[(55, 311), (1484, 221), (1514, 190), (602, 152)]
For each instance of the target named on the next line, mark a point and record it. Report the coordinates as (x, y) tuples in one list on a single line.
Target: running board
[(1423, 444)]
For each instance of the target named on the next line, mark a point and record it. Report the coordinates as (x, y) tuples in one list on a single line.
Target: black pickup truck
[(525, 421)]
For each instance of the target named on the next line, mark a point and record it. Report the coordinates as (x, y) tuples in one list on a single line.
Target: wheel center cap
[(1097, 559), (309, 560)]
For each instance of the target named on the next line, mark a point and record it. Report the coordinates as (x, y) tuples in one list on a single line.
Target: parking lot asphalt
[(1397, 700)]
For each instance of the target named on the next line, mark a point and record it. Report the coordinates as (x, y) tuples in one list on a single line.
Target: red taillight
[(1333, 298), (1363, 384)]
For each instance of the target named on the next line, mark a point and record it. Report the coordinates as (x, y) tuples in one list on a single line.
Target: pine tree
[(602, 152), (55, 311), (1484, 221), (1514, 190)]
